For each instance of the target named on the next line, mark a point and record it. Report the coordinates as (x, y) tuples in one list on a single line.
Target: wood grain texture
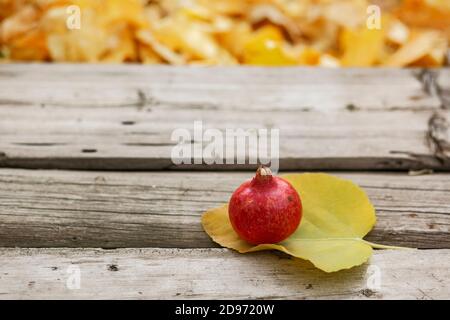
[(216, 273), (122, 117), (240, 88), (41, 208)]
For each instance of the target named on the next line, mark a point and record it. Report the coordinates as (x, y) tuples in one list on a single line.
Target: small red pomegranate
[(266, 209)]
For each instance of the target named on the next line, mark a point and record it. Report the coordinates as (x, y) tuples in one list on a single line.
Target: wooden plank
[(238, 88), (122, 117), (162, 209), (216, 273), (81, 138)]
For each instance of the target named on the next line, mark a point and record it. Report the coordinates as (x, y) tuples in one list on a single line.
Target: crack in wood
[(142, 99), (430, 84), (421, 161), (39, 144), (16, 103), (427, 78), (437, 136), (438, 132), (140, 102)]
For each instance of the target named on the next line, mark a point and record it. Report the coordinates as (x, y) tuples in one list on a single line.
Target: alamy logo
[(73, 281), (230, 146), (374, 277), (373, 21), (73, 21)]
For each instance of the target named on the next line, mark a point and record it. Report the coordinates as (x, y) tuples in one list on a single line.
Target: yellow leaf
[(147, 38), (181, 33), (337, 214), (230, 7), (362, 48), (434, 14), (309, 56), (329, 61), (234, 40), (147, 55), (430, 45), (265, 47), (121, 45), (398, 33), (30, 46), (116, 11), (269, 12), (19, 24)]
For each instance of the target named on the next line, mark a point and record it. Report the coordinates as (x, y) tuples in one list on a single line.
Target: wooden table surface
[(86, 178)]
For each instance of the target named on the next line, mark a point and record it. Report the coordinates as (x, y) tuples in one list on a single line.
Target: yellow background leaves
[(329, 33), (337, 214)]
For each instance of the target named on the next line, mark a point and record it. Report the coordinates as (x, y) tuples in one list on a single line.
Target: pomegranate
[(266, 209)]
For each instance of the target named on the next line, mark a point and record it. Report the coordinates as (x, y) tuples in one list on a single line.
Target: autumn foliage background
[(227, 32)]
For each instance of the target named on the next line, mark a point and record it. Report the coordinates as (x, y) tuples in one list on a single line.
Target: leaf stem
[(382, 246), (373, 245)]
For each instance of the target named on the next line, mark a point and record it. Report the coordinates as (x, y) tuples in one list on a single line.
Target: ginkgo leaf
[(337, 214)]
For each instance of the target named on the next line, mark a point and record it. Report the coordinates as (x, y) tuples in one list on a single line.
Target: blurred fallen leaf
[(270, 13), (155, 48), (361, 48), (266, 47), (429, 45)]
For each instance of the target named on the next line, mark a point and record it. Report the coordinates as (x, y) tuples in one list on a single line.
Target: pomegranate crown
[(263, 174)]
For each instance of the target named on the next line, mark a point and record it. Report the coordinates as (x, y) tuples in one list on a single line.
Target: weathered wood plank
[(162, 209), (240, 88), (216, 273), (81, 138), (122, 118)]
